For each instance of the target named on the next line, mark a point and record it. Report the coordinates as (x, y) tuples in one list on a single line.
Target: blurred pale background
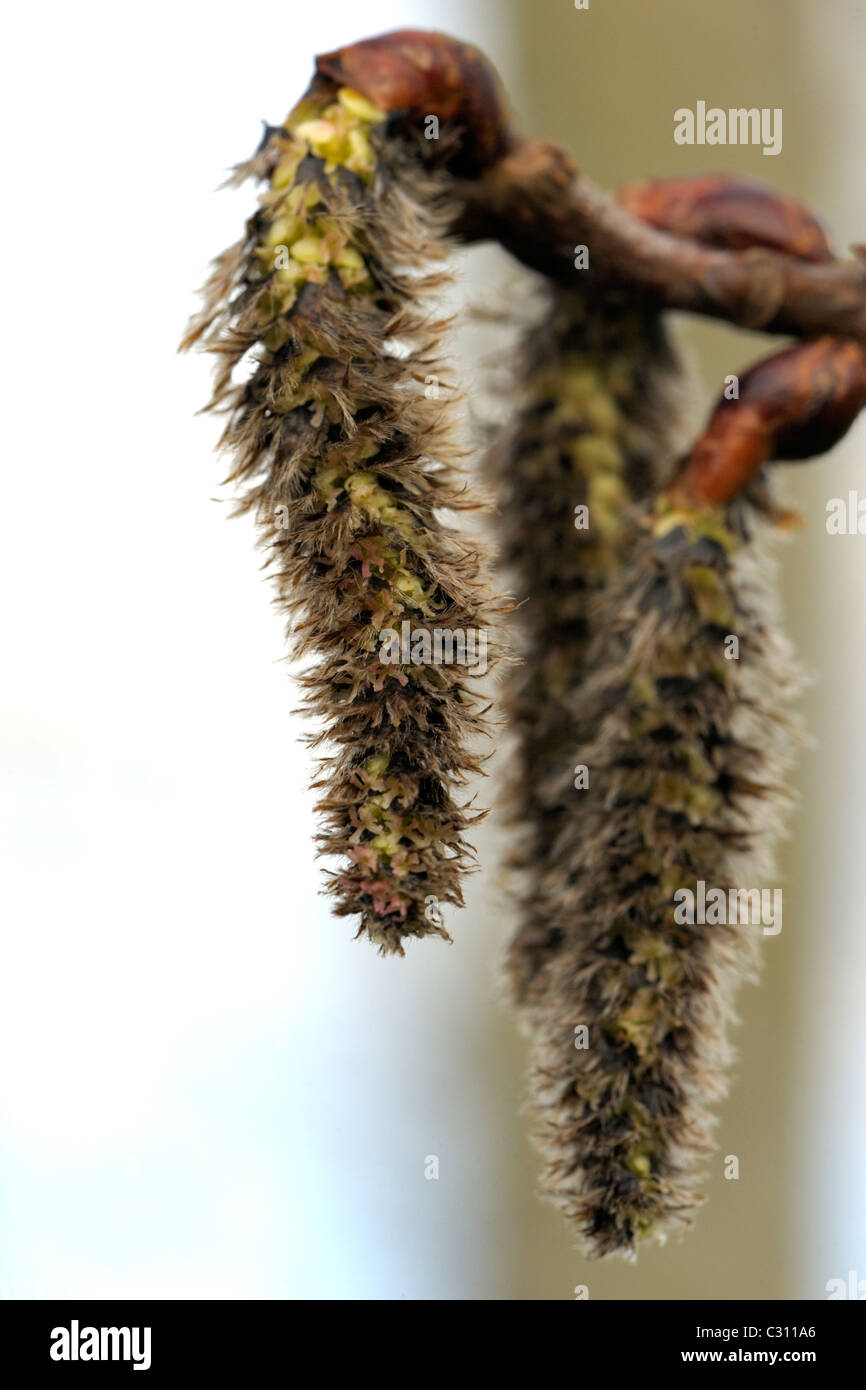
[(208, 1089)]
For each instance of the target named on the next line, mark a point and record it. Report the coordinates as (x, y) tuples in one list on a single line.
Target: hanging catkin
[(599, 420), (685, 767), (347, 461)]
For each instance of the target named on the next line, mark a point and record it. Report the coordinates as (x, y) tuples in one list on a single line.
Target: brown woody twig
[(529, 196)]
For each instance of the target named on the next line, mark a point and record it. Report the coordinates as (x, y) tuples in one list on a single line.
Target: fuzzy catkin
[(599, 421), (685, 768), (347, 461)]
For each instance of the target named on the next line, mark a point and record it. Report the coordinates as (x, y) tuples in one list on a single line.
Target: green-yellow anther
[(365, 492), (329, 482), (594, 452), (361, 158), (317, 133), (363, 488), (289, 275), (282, 230), (410, 588), (580, 381), (298, 201), (375, 766), (305, 359), (358, 106), (607, 490), (607, 497), (349, 258), (640, 1164), (388, 842), (602, 414), (284, 173), (309, 250)]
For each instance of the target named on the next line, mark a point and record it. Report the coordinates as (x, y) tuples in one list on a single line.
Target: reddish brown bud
[(728, 211), (418, 73), (793, 405)]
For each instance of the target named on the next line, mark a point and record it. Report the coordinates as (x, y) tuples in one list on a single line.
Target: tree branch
[(529, 196), (535, 203)]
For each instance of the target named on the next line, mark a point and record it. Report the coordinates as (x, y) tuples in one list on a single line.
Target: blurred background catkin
[(209, 1089)]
